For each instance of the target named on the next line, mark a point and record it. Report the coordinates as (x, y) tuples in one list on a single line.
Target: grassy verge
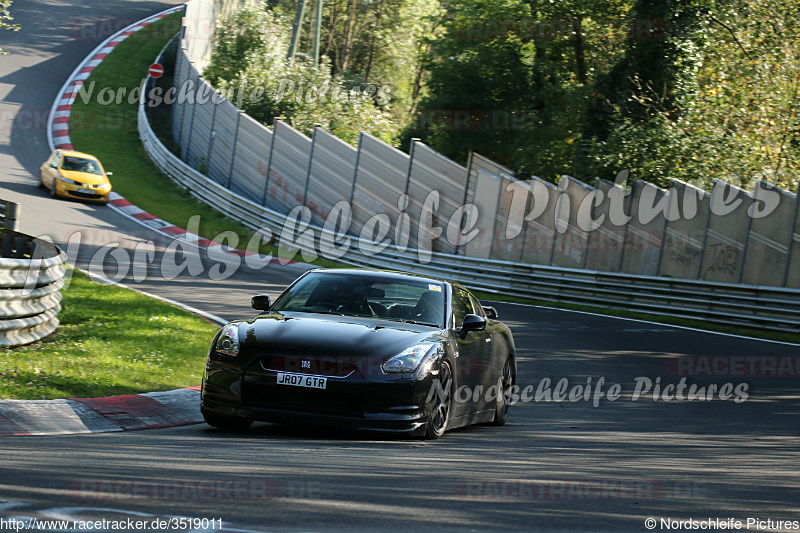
[(110, 133), (111, 341)]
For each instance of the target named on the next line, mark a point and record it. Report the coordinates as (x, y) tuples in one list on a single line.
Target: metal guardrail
[(731, 304), (31, 276), (9, 212)]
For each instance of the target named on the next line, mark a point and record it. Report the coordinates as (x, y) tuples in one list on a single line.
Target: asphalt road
[(567, 466), (55, 37)]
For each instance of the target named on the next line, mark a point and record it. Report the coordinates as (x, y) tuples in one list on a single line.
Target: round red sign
[(156, 70)]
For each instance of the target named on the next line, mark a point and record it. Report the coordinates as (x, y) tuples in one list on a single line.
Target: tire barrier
[(31, 277)]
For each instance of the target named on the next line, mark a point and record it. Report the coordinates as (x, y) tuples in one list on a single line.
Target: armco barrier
[(681, 232), (31, 276), (724, 303)]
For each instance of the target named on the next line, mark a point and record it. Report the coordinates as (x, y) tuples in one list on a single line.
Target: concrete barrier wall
[(572, 224), (540, 231), (684, 237), (379, 188), (606, 241), (726, 236), (331, 172), (508, 221), (223, 139), (288, 168), (431, 172), (767, 252), (645, 231), (793, 268), (250, 159), (729, 235)]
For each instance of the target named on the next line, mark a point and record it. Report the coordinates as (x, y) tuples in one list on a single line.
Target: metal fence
[(9, 212), (725, 303), (682, 232)]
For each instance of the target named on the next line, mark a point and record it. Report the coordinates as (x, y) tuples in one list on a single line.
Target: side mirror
[(260, 302), (109, 173), (472, 323), (491, 312)]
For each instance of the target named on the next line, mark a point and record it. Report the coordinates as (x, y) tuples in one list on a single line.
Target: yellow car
[(75, 175)]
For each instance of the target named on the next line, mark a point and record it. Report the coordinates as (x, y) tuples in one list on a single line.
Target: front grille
[(343, 396), (83, 194), (318, 366)]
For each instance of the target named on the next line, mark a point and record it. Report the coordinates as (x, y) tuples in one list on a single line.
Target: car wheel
[(440, 404), (506, 383), (53, 190), (231, 423)]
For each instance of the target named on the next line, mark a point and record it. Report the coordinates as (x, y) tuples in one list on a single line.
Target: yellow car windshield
[(80, 164)]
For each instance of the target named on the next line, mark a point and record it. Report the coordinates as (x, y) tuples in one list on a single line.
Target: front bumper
[(410, 426), (395, 404), (70, 190)]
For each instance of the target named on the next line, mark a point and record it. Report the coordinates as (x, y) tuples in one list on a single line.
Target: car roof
[(73, 153), (382, 274)]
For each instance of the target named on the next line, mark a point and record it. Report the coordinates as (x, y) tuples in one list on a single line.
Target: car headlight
[(67, 180), (103, 187), (228, 340), (408, 360)]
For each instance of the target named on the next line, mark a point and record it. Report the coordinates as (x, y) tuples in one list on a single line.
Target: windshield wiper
[(412, 322)]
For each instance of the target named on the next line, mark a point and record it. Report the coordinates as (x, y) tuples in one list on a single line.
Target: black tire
[(230, 423), (53, 190), (441, 404), (506, 382)]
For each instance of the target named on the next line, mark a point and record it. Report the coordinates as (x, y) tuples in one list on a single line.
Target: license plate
[(86, 191), (299, 380)]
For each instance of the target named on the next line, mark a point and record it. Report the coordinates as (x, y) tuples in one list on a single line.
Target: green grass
[(110, 133), (111, 341)]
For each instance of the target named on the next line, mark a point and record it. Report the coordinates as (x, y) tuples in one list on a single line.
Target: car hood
[(331, 335), (84, 177)]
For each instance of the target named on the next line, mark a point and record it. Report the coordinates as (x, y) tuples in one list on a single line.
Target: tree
[(249, 65)]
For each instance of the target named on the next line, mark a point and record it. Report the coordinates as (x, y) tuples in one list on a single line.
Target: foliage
[(521, 71), (378, 42), (688, 89), (250, 60), (110, 132), (732, 113), (5, 20)]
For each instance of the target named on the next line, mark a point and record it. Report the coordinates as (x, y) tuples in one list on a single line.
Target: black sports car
[(364, 349)]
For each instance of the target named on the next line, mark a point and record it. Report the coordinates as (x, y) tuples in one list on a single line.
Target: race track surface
[(556, 466)]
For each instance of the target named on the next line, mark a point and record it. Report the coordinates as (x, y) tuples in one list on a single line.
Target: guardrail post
[(10, 215)]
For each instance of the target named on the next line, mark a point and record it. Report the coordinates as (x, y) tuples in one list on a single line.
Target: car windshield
[(80, 164), (398, 299)]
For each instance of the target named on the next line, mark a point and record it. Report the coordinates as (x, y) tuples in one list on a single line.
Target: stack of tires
[(31, 277)]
